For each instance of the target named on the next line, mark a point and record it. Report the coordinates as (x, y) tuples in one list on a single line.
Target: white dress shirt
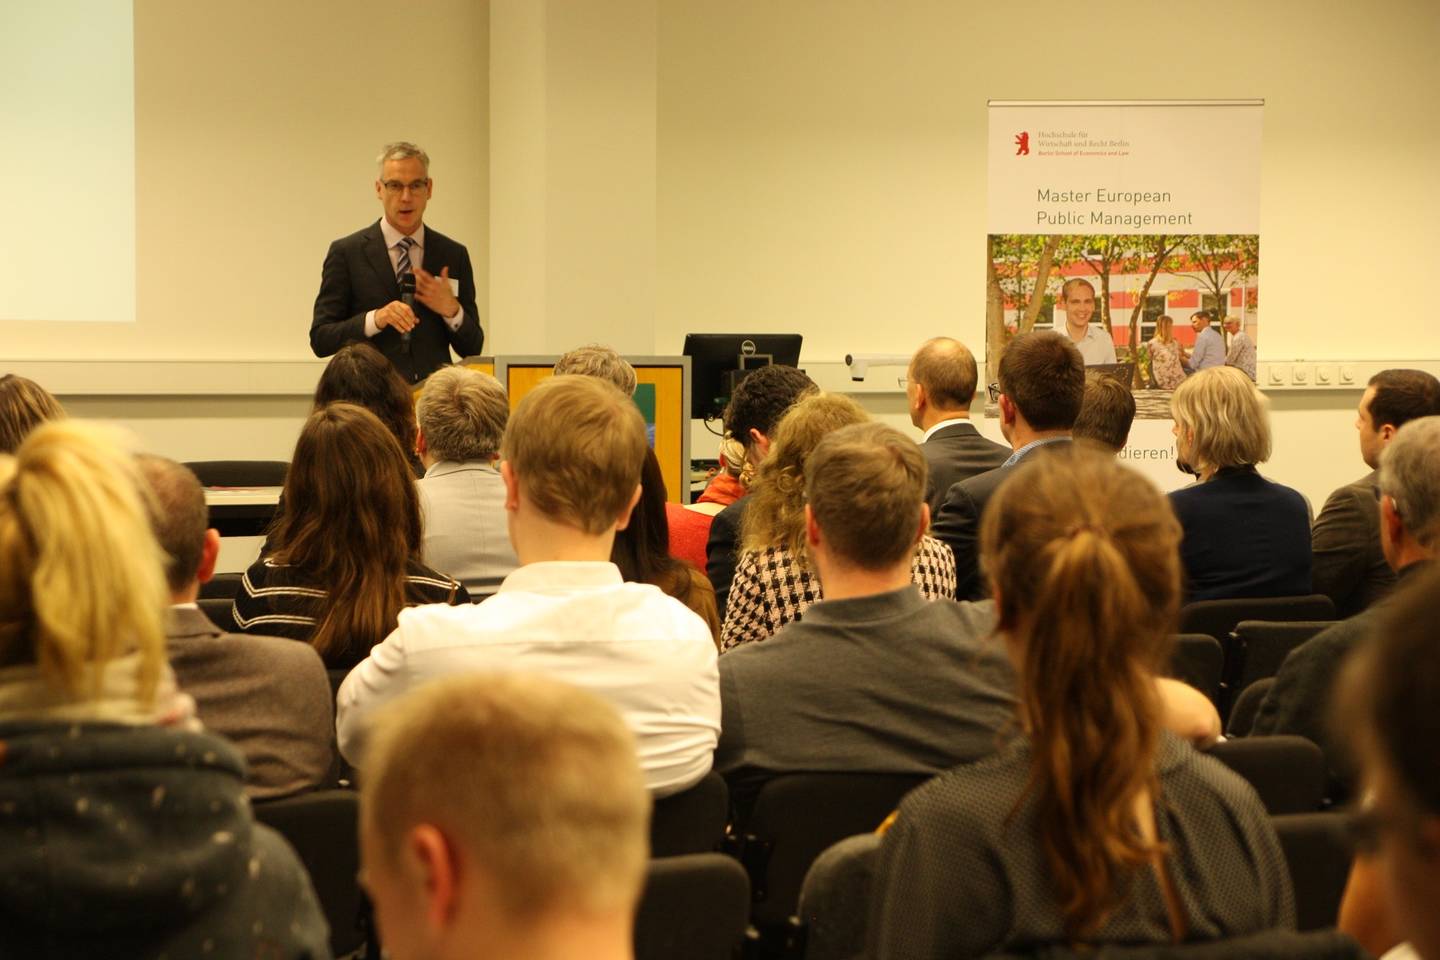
[(417, 260), (1096, 346), (942, 425), (645, 653)]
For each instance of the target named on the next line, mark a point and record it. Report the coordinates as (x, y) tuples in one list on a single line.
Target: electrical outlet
[(1324, 375), (1300, 375), (1347, 375), (1277, 376)]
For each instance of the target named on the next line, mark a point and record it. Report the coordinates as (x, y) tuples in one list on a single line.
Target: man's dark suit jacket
[(1349, 567), (358, 277), (1242, 536), (722, 550), (956, 453), (1299, 702), (958, 523)]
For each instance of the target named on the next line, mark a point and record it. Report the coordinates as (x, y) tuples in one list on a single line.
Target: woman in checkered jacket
[(773, 582)]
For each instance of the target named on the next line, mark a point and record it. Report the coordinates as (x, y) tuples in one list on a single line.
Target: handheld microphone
[(407, 297)]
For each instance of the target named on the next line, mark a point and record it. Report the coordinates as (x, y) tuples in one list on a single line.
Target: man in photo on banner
[(1094, 343), (1241, 352), (1209, 349), (407, 289)]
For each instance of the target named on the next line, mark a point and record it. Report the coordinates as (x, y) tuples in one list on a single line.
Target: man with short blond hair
[(462, 415), (875, 677), (940, 386), (598, 360), (571, 462), (503, 816), (1077, 298)]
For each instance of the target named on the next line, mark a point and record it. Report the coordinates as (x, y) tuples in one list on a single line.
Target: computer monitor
[(717, 358)]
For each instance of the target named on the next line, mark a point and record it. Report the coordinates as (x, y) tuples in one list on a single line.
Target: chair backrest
[(835, 898), (222, 586), (240, 473), (219, 611), (1198, 659), (692, 821), (322, 826), (1318, 851), (1287, 772), (1242, 714), (1261, 646), (1219, 617), (1265, 945), (694, 906), (797, 816)]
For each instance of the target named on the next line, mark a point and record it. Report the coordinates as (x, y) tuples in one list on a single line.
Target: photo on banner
[(1133, 229)]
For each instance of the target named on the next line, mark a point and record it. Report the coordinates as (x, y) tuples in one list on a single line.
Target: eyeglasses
[(396, 187), (994, 390), (904, 382)]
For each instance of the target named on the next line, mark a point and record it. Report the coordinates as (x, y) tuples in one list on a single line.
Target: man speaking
[(406, 289)]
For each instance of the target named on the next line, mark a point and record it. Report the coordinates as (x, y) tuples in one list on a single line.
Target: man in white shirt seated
[(462, 414), (571, 463)]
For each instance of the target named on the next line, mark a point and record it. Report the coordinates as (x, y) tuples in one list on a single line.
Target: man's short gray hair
[(403, 150), (462, 413), (1410, 475), (597, 360)]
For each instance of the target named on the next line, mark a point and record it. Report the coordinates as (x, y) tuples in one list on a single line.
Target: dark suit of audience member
[(958, 523), (1244, 536), (889, 683), (1299, 702), (1348, 566), (722, 552), (958, 452), (268, 696)]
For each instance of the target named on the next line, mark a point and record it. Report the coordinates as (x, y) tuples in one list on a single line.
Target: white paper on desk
[(454, 286)]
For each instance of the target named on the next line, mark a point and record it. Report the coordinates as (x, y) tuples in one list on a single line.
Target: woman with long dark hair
[(342, 557), (1095, 824), (642, 550), (362, 375)]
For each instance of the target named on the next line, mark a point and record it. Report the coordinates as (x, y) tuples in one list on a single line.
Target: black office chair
[(1266, 945), (1287, 772), (1218, 618), (795, 818), (1319, 851), (219, 612), (222, 586), (1198, 659), (240, 473), (321, 826), (692, 821), (1262, 645), (694, 906), (835, 898), (1247, 705)]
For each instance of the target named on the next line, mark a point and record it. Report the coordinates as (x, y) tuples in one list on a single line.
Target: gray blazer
[(269, 696), (467, 535), (1347, 563)]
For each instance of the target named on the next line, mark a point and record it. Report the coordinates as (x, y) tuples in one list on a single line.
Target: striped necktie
[(402, 267)]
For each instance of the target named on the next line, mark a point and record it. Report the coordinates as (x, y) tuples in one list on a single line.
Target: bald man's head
[(943, 377)]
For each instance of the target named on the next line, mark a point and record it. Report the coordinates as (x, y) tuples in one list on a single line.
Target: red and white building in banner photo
[(1176, 295)]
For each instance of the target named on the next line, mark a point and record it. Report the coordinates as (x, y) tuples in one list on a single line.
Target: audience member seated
[(759, 401), (1387, 704), (126, 831), (1095, 825), (774, 582), (343, 553), (1244, 536), (1409, 483), (362, 375), (875, 678), (268, 696), (503, 816), (1106, 413), (1349, 566), (690, 522), (462, 417), (596, 360), (939, 387), (642, 550), (1042, 385), (24, 405), (566, 612)]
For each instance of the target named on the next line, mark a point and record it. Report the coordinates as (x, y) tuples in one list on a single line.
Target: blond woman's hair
[(1083, 556), (1224, 418), (598, 360), (538, 782), (776, 514), (577, 445), (462, 413), (24, 405), (82, 579)]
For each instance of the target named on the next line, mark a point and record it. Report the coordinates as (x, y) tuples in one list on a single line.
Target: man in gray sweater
[(269, 696), (874, 678)]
